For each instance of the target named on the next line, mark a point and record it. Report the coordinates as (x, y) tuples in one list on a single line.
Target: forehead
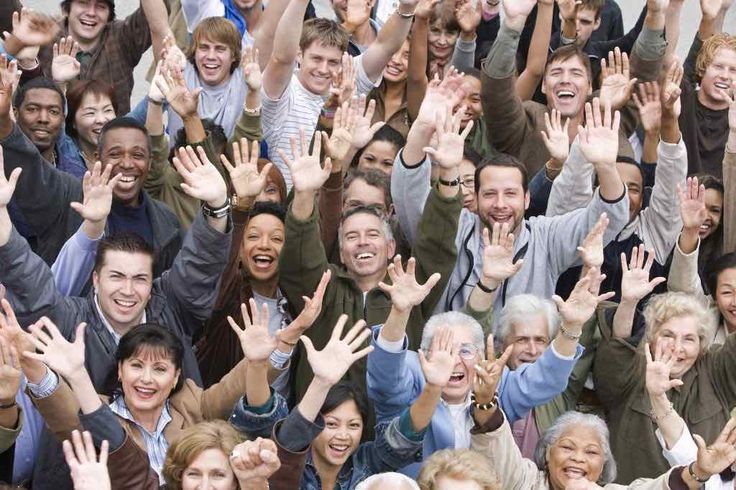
[(95, 99), (580, 434), (211, 458), (532, 326), (571, 63), (629, 173), (265, 222), (128, 263), (360, 222), (347, 410), (125, 137), (96, 3), (318, 48), (360, 190), (681, 325), (206, 41), (713, 197), (725, 55), (586, 13), (467, 167), (500, 177), (152, 354), (462, 334), (42, 96), (472, 84), (727, 277), (384, 149)]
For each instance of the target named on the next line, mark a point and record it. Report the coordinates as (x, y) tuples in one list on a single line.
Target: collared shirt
[(26, 445), (107, 325), (156, 443), (462, 422)]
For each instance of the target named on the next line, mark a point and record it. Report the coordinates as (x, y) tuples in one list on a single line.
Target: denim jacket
[(396, 444)]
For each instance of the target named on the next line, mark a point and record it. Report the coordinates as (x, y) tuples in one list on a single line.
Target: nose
[(146, 375), (500, 203), (578, 456), (444, 38), (532, 347), (263, 242), (127, 287), (43, 116)]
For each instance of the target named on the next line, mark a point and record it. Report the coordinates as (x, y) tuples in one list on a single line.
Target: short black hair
[(714, 269), (268, 207), (630, 161), (215, 133), (472, 156), (712, 182), (502, 160), (342, 392), (121, 242), (118, 123), (472, 71), (385, 133), (37, 83), (67, 4)]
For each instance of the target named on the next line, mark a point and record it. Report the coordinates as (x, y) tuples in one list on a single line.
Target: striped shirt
[(156, 443), (298, 108)]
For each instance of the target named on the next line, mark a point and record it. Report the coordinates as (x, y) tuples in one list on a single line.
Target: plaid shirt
[(121, 46)]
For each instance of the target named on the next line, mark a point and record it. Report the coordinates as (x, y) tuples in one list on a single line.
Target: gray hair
[(519, 308), (370, 210), (567, 421), (662, 308), (453, 319), (392, 480)]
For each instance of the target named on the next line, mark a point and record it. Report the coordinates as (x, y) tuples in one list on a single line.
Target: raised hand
[(343, 84), (635, 283), (424, 8), (440, 97), (591, 252), (97, 186), (450, 140), (599, 139), (331, 363), (438, 365), (555, 138), (255, 339), (11, 332), (357, 13), (60, 355), (312, 308), (710, 8), (88, 472), (364, 129), (569, 9), (251, 69), (731, 99), (658, 380), (650, 107), (671, 91), (172, 56), (247, 181), (340, 141), (253, 462), (692, 204), (498, 254), (583, 300), (32, 28), (718, 456), (201, 179), (468, 16), (307, 175), (7, 186), (65, 66), (617, 83), (175, 90), (488, 372), (9, 372), (405, 291), (517, 12)]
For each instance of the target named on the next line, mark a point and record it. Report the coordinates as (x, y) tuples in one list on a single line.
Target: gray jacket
[(547, 245)]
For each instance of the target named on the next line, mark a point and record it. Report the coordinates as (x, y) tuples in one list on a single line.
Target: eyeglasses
[(468, 183), (467, 351)]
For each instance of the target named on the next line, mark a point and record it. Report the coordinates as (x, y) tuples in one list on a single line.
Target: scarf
[(233, 14)]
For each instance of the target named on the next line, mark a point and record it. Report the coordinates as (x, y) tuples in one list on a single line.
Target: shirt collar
[(107, 325), (120, 409)]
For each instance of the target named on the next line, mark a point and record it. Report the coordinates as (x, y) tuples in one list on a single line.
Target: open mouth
[(457, 377), (722, 85), (502, 218), (41, 133), (365, 256), (339, 450), (88, 23), (574, 473), (565, 94), (144, 393), (124, 304), (263, 261), (127, 181), (705, 228)]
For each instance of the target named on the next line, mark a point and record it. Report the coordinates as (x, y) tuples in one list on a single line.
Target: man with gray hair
[(388, 481)]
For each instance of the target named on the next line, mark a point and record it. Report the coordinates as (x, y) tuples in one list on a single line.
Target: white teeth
[(565, 93), (722, 85), (124, 303), (128, 179), (366, 255)]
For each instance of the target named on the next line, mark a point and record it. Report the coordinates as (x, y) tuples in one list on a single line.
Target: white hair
[(390, 480), (520, 308), (453, 319)]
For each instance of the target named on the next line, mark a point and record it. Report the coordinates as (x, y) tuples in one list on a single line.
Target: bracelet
[(691, 471), (220, 212), (450, 183), (567, 334), (406, 16), (6, 406), (485, 288), (484, 406), (254, 111), (328, 113), (666, 414), (154, 101)]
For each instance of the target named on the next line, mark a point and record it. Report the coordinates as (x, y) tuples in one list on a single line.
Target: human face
[(360, 193), (680, 335), (585, 23), (94, 111), (261, 246), (719, 75), (364, 248), (126, 149), (529, 339), (247, 5), (213, 60), (147, 378), (631, 177), (467, 185), (40, 117), (577, 454), (341, 436), (87, 19), (463, 374), (473, 107), (441, 40), (318, 66), (209, 471), (378, 155), (397, 68), (714, 208), (726, 297), (447, 483), (501, 197), (270, 193), (567, 86), (123, 285)]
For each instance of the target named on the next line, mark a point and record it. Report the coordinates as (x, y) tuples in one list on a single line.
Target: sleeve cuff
[(406, 427), (578, 352), (262, 409), (394, 347), (84, 242), (46, 387)]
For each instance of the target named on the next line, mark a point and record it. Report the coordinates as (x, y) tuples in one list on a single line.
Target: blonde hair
[(664, 307), (328, 32), (216, 434), (217, 30), (709, 49), (458, 464)]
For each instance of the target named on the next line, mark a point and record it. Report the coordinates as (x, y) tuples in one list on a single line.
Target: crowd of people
[(431, 244)]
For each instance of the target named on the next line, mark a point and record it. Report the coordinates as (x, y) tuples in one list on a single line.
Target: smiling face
[(586, 22), (87, 19), (378, 155), (213, 60), (123, 285), (341, 436), (128, 151), (714, 207), (501, 197), (718, 75), (210, 470), (147, 379), (463, 373), (474, 109), (40, 117), (529, 340), (94, 111), (364, 247), (566, 85), (680, 335), (632, 179), (397, 68), (467, 185), (577, 454), (441, 40), (360, 193), (261, 246), (318, 65), (726, 297)]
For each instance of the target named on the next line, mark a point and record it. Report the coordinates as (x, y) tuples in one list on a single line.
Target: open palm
[(307, 175), (7, 186), (255, 339), (201, 179), (437, 366), (498, 254), (247, 181), (635, 283), (404, 290)]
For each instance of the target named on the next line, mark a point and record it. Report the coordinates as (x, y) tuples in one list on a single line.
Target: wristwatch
[(220, 212)]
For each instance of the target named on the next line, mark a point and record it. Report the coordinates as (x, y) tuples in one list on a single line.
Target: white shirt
[(684, 452)]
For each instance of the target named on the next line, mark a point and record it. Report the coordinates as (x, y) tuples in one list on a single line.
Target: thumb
[(700, 443), (79, 336), (308, 345), (78, 207), (422, 360)]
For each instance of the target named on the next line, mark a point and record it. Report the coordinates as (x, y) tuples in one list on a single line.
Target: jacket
[(548, 245), (303, 261), (43, 195), (703, 401), (395, 381)]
